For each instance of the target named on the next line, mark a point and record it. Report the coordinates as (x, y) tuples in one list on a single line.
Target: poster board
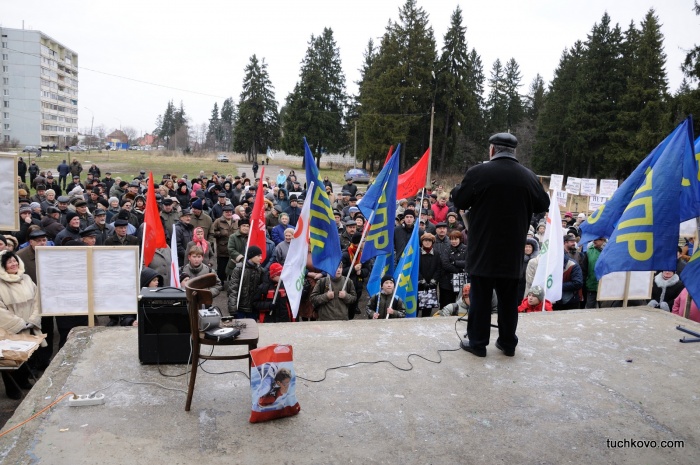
[(616, 286), (608, 187), (88, 280), (573, 185), (589, 187), (561, 198), (555, 182), (595, 202), (9, 203)]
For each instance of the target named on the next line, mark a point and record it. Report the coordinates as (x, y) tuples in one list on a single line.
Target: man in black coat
[(501, 188)]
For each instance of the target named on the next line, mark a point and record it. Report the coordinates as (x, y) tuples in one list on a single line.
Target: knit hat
[(254, 251), (34, 205), (197, 204), (243, 221), (70, 215), (386, 278), (538, 292), (275, 270), (356, 238), (25, 209)]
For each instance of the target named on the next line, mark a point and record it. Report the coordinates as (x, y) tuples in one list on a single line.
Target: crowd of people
[(210, 218)]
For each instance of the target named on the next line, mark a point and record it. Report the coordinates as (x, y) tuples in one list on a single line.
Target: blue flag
[(324, 241), (406, 275), (383, 265), (691, 273), (646, 235), (602, 222), (380, 199)]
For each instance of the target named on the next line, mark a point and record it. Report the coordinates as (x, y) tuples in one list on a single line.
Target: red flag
[(154, 236), (413, 180), (257, 219), (388, 155)]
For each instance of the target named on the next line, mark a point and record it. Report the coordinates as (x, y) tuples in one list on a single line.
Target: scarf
[(427, 249), (203, 243)]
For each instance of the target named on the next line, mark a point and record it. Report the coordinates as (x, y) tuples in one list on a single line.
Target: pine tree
[(691, 64), (512, 82), (214, 128), (316, 108), (257, 125), (228, 116), (498, 100)]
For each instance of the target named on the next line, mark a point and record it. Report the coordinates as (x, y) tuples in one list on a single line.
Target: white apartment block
[(39, 89)]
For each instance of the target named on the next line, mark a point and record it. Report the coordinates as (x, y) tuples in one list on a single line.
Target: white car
[(222, 157)]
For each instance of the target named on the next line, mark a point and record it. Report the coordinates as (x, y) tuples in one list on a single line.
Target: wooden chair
[(198, 294)]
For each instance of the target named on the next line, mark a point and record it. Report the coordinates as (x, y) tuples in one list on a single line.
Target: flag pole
[(143, 248), (245, 258), (362, 241)]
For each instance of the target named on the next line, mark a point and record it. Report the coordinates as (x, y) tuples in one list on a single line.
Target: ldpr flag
[(406, 275)]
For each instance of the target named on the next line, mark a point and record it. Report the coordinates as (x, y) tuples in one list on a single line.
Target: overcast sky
[(195, 51)]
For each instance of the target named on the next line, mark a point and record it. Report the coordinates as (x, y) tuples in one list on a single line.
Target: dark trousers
[(42, 357), (479, 324), (447, 297), (221, 263), (62, 181)]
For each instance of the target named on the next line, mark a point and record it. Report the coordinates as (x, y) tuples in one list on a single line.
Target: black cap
[(81, 203), (504, 139), (185, 211), (51, 210), (409, 213), (227, 208), (37, 233), (293, 197), (41, 187), (356, 238), (92, 230), (569, 238), (243, 222), (441, 224), (254, 251), (167, 201), (99, 212), (120, 222), (222, 194), (350, 223), (386, 278)]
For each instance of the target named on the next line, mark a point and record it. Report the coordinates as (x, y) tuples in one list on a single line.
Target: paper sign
[(595, 202), (562, 196), (573, 185), (608, 187), (555, 182), (589, 187)]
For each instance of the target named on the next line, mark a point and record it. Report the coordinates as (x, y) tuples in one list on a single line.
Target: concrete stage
[(579, 379)]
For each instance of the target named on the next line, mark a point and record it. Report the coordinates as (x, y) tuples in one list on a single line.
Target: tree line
[(607, 107)]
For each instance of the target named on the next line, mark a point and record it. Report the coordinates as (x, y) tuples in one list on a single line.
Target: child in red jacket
[(533, 301)]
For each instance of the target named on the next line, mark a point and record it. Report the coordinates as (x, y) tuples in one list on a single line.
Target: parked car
[(30, 149), (222, 157), (358, 175), (76, 148)]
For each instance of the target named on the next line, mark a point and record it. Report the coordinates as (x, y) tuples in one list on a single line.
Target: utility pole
[(354, 162), (430, 146)]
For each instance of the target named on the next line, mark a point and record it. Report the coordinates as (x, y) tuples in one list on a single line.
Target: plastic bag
[(273, 383)]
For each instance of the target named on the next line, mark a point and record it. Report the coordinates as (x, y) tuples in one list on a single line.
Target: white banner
[(589, 187), (608, 187), (294, 270), (595, 202), (550, 269), (573, 185), (561, 197), (555, 182)]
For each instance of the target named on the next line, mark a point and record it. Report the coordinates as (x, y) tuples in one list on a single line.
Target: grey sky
[(203, 46)]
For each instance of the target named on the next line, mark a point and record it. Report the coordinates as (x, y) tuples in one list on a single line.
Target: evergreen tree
[(257, 124), (316, 108), (398, 89), (691, 65), (512, 82), (498, 100), (228, 116), (214, 128), (454, 96), (535, 98)]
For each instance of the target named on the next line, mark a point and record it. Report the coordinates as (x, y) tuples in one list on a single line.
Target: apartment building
[(39, 89)]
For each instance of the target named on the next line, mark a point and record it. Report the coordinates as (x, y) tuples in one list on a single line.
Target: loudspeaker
[(164, 326)]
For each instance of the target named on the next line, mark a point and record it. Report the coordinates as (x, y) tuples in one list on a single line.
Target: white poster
[(562, 197), (114, 272), (573, 185), (608, 187), (595, 202), (62, 279), (612, 285), (9, 204), (589, 187), (555, 182)]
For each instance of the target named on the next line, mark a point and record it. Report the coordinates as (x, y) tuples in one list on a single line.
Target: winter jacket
[(379, 304), (679, 306), (188, 271), (19, 302), (524, 307), (334, 308), (665, 291), (183, 236), (244, 307), (221, 230)]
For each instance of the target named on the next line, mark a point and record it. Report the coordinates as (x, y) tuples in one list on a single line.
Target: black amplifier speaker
[(164, 326)]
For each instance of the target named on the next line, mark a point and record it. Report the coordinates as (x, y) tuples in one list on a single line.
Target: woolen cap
[(388, 278), (504, 139), (254, 251)]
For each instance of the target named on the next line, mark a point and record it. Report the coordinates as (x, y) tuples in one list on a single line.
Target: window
[(6, 92), (6, 81), (4, 45), (5, 56), (6, 104), (5, 68), (6, 114), (7, 138), (6, 126)]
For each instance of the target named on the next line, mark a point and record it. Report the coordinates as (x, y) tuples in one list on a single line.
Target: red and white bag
[(273, 383)]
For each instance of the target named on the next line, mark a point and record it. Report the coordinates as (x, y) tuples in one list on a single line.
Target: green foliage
[(257, 124), (173, 123), (316, 108)]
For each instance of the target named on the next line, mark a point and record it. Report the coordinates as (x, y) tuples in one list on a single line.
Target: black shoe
[(14, 395), (507, 353), (472, 350)]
